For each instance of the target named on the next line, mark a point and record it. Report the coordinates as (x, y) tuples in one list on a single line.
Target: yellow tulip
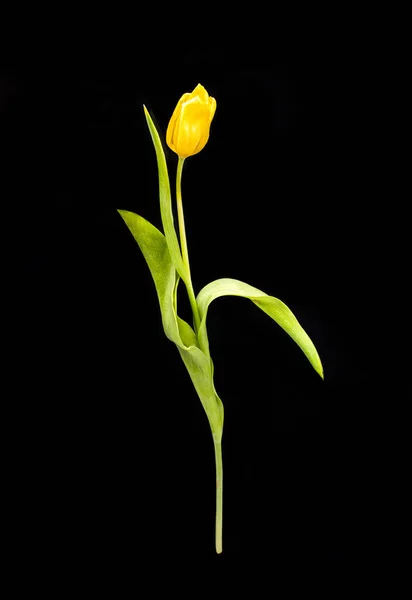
[(189, 127)]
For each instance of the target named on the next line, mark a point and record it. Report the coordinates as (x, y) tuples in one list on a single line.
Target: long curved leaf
[(273, 307), (166, 200), (153, 245)]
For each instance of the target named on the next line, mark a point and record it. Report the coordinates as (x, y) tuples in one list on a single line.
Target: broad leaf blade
[(273, 307), (153, 245), (166, 200)]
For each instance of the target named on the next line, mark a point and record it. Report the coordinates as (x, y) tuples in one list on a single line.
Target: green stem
[(183, 244), (219, 494), (217, 440)]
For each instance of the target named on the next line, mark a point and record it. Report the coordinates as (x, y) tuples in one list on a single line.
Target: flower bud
[(189, 127)]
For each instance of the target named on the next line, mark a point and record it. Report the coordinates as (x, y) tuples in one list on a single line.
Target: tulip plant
[(187, 134)]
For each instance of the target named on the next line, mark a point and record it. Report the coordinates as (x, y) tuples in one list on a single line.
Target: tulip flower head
[(189, 127)]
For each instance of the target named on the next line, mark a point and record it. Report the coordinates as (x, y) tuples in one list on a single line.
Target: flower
[(189, 127)]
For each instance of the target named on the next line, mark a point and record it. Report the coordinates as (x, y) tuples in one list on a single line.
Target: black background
[(111, 454)]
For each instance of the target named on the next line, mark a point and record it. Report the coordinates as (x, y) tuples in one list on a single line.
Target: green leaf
[(273, 307), (166, 201), (153, 245)]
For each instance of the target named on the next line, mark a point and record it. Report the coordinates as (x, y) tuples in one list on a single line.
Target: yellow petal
[(212, 107), (172, 123), (206, 131), (200, 92), (190, 127)]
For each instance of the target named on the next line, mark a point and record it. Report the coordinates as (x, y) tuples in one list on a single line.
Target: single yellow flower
[(189, 127)]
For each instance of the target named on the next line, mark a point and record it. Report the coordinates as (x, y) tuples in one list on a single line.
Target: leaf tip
[(319, 370)]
